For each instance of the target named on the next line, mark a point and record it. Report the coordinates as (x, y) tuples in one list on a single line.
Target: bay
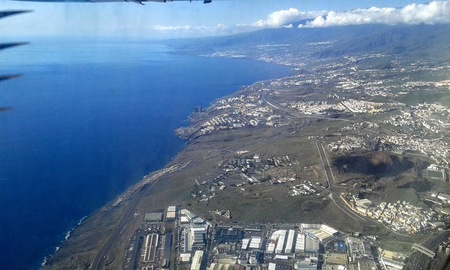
[(90, 118)]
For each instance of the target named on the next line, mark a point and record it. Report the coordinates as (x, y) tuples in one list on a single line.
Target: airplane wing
[(6, 46), (3, 14), (7, 13), (103, 1), (11, 44), (7, 77)]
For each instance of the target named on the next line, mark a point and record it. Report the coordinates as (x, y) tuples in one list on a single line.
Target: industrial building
[(276, 242), (228, 234), (185, 257), (300, 243), (306, 263), (221, 266), (336, 259), (255, 243), (312, 243), (282, 242), (150, 247), (194, 231), (197, 237), (197, 260), (291, 241), (153, 217), (319, 231), (171, 213)]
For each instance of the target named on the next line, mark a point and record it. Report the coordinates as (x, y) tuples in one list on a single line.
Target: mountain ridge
[(347, 40)]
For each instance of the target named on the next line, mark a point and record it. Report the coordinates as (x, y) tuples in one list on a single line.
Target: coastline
[(295, 145), (167, 168), (66, 237)]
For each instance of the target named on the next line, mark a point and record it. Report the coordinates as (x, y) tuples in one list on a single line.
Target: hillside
[(332, 41)]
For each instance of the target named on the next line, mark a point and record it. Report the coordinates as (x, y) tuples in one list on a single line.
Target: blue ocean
[(90, 118)]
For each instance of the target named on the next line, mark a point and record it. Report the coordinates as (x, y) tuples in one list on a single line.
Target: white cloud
[(431, 13), (170, 28), (193, 30), (284, 17)]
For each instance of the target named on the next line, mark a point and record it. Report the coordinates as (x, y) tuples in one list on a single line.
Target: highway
[(297, 114), (326, 166), (330, 179), (423, 250), (419, 260), (348, 212)]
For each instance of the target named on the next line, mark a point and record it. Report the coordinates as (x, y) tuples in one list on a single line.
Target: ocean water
[(91, 118)]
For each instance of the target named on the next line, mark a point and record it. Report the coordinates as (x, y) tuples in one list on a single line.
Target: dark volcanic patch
[(374, 163), (419, 185)]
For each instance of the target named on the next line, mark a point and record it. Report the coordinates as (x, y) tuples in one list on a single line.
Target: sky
[(221, 17)]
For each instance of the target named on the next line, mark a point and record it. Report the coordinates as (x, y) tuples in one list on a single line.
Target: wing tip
[(7, 13)]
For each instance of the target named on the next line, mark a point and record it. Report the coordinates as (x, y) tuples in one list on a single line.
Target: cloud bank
[(431, 13), (283, 18), (193, 30)]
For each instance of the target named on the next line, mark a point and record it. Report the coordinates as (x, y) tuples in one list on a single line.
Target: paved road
[(325, 164), (330, 179), (420, 261), (297, 114), (348, 212)]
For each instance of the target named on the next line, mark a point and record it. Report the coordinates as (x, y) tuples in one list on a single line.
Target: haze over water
[(91, 118)]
